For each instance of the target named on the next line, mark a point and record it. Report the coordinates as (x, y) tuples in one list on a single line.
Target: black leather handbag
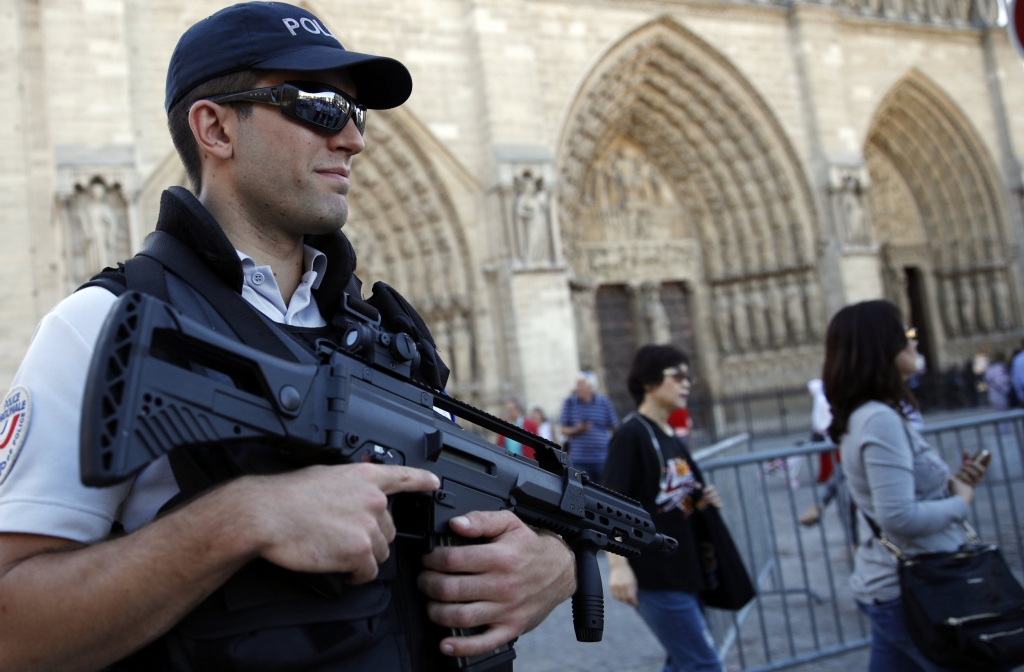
[(964, 609), (727, 583)]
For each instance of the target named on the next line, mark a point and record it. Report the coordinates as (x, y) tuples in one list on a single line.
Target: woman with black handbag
[(646, 461), (900, 482)]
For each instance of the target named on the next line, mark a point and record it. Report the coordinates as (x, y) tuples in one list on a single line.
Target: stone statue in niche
[(967, 304), (758, 326), (916, 9), (1001, 298), (776, 312), (531, 218), (853, 214), (723, 328), (97, 229), (795, 315), (740, 319), (938, 9), (950, 308), (986, 316), (655, 317), (815, 309)]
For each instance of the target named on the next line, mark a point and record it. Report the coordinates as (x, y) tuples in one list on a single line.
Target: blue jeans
[(892, 650), (676, 620)]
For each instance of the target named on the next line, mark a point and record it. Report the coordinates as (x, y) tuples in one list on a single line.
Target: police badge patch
[(14, 416)]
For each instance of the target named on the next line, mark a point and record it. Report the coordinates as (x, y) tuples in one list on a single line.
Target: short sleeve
[(43, 492)]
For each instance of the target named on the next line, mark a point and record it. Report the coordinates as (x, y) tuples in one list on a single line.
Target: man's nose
[(348, 139)]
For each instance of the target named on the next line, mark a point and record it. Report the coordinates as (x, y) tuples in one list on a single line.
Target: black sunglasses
[(311, 102), (677, 375)]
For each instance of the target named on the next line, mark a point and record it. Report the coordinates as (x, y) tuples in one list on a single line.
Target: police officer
[(266, 109)]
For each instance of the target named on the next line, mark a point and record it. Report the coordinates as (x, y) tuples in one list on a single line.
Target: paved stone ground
[(805, 602), (628, 646)]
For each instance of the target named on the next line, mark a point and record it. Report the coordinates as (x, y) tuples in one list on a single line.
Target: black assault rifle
[(159, 381)]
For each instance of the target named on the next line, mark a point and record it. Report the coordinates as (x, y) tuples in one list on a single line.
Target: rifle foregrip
[(588, 600)]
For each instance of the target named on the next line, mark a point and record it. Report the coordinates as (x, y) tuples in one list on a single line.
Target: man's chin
[(330, 222)]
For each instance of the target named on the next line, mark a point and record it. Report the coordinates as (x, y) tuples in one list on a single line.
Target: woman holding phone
[(896, 478)]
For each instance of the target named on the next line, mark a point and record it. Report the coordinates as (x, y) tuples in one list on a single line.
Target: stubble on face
[(292, 179)]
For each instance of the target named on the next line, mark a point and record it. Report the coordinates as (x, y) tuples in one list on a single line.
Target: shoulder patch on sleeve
[(15, 413)]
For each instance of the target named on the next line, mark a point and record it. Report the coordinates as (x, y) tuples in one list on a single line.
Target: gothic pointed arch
[(673, 167), (407, 232), (935, 189)]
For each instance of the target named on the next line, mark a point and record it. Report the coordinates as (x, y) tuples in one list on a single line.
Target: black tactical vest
[(266, 618)]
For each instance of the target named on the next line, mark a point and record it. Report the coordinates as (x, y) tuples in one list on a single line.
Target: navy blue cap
[(278, 36)]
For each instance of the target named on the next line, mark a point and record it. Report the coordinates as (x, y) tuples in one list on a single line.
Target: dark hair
[(648, 368), (860, 361), (177, 117)]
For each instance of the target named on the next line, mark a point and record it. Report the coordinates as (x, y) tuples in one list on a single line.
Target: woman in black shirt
[(647, 462)]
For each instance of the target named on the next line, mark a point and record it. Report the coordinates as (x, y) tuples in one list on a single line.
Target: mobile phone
[(982, 457)]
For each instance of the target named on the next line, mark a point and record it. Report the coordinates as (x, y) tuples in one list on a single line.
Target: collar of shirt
[(260, 289)]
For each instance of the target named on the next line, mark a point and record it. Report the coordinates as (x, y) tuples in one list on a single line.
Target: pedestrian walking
[(897, 479), (649, 463), (588, 419)]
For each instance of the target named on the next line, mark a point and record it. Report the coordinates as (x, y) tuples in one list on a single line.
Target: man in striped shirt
[(588, 420)]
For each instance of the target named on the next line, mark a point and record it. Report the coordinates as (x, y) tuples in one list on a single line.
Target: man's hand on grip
[(331, 518), (511, 583)]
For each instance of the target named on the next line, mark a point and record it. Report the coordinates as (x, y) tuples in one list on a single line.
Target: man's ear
[(214, 127)]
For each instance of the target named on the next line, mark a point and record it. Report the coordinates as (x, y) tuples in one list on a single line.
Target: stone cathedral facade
[(573, 178)]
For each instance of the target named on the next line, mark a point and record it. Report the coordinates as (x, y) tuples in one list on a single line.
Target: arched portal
[(407, 232), (936, 206), (673, 169)]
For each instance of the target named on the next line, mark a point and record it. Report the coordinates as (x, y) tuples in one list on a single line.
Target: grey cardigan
[(902, 482)]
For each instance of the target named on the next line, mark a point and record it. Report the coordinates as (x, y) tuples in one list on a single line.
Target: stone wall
[(763, 155)]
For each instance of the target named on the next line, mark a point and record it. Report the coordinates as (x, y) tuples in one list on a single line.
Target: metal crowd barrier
[(805, 610)]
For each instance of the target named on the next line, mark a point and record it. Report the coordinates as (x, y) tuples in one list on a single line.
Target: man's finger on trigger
[(488, 524), (406, 479)]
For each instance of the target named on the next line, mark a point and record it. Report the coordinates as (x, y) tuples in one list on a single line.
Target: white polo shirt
[(41, 491)]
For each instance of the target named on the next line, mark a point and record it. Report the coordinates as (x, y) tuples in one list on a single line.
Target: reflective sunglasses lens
[(321, 109)]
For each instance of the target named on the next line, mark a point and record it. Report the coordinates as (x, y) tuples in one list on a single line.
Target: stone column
[(541, 326)]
